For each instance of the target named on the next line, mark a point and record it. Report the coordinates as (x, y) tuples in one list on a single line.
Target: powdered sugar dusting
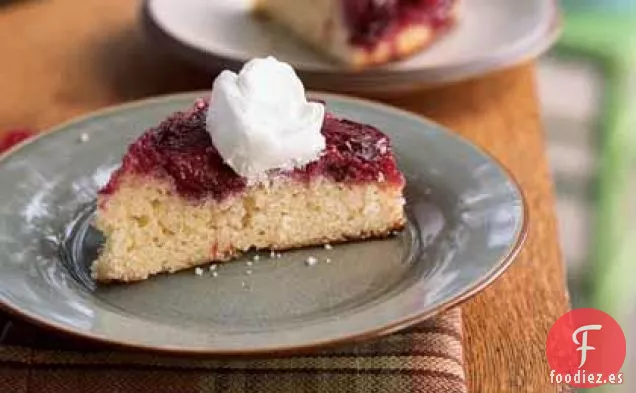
[(102, 175), (38, 206)]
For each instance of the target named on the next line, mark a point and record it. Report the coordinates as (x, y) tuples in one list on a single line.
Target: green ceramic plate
[(466, 224)]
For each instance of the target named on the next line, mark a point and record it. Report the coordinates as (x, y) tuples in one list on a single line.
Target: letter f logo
[(583, 344)]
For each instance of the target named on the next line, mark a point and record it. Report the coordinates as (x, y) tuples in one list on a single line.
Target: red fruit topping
[(181, 149), (370, 21), (11, 138)]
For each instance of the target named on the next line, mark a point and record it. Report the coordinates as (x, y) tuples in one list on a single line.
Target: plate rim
[(498, 269), (431, 76)]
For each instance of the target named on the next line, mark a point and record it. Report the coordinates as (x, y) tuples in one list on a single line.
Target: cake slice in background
[(211, 182), (363, 33)]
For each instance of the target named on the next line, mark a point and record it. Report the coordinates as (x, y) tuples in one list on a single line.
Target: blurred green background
[(587, 85)]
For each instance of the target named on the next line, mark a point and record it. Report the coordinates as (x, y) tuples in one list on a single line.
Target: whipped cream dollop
[(260, 119)]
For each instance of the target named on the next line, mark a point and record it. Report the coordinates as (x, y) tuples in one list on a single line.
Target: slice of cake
[(247, 169), (363, 33)]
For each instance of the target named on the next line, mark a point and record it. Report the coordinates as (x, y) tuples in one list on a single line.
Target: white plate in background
[(490, 35)]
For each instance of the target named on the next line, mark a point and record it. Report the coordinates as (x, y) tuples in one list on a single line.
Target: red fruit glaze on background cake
[(13, 137), (371, 21), (181, 149)]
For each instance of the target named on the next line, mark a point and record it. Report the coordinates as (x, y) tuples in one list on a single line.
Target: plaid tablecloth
[(426, 358)]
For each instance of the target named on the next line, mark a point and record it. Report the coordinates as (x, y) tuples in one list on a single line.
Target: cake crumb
[(256, 258), (243, 284), (328, 246), (198, 271), (328, 260), (212, 268), (248, 272), (311, 261), (272, 254), (215, 274), (249, 263), (84, 137), (279, 255), (381, 177)]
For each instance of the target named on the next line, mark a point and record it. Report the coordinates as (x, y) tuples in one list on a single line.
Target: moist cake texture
[(175, 204)]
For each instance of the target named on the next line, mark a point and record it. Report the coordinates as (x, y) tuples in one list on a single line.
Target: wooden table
[(63, 58)]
